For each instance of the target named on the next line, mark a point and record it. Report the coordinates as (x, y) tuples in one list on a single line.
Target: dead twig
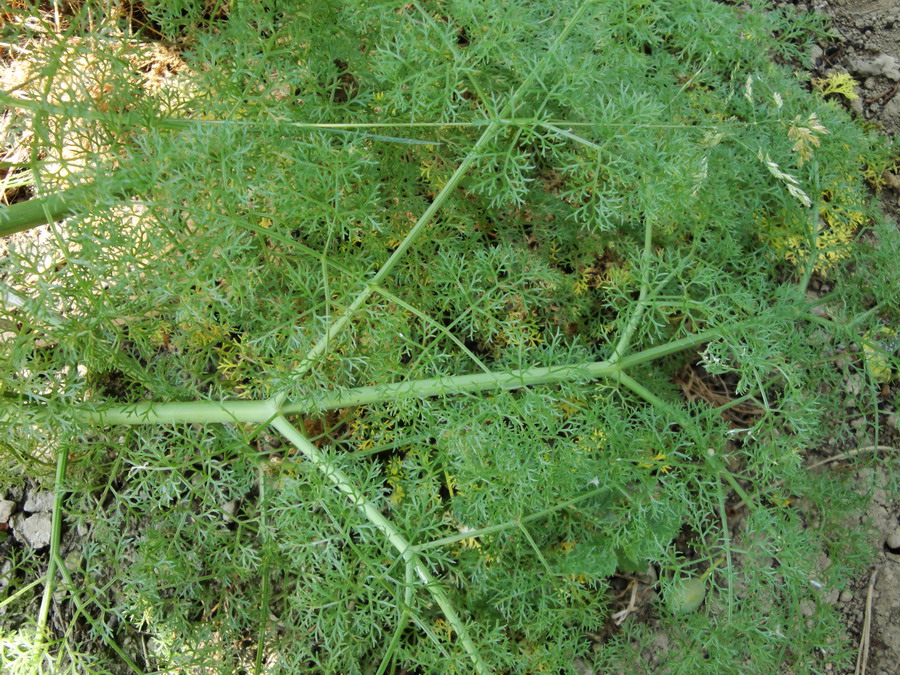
[(884, 97), (620, 616), (862, 658), (848, 455)]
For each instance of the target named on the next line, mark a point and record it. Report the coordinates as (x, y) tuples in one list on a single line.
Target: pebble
[(858, 423), (855, 384), (893, 420), (892, 109), (883, 64), (846, 596), (6, 509), (893, 541), (33, 530), (39, 502)]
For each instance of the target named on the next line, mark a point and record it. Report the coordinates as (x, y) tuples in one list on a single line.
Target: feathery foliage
[(359, 346)]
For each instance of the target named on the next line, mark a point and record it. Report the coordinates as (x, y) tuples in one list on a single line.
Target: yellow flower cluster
[(840, 217)]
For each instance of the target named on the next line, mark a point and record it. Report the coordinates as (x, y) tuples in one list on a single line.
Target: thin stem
[(487, 135), (387, 295), (741, 493), (395, 641), (373, 515), (482, 96), (638, 312), (572, 137), (726, 543), (62, 459), (493, 529), (108, 641), (813, 237), (650, 397), (264, 571), (22, 591), (534, 546), (341, 322)]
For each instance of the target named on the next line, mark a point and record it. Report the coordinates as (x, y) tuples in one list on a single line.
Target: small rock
[(893, 420), (846, 596), (5, 576), (32, 530), (817, 310), (883, 64), (858, 423), (807, 608), (39, 502), (6, 509), (856, 105), (817, 54), (892, 109), (893, 541), (855, 385)]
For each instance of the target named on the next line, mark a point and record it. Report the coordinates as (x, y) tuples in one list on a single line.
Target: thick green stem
[(187, 412), (373, 515), (54, 207), (515, 379), (459, 384), (213, 412), (40, 211)]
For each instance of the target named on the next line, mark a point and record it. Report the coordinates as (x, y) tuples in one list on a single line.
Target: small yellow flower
[(567, 546), (655, 462), (782, 502)]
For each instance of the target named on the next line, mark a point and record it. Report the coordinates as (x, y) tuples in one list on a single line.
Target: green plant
[(377, 367)]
